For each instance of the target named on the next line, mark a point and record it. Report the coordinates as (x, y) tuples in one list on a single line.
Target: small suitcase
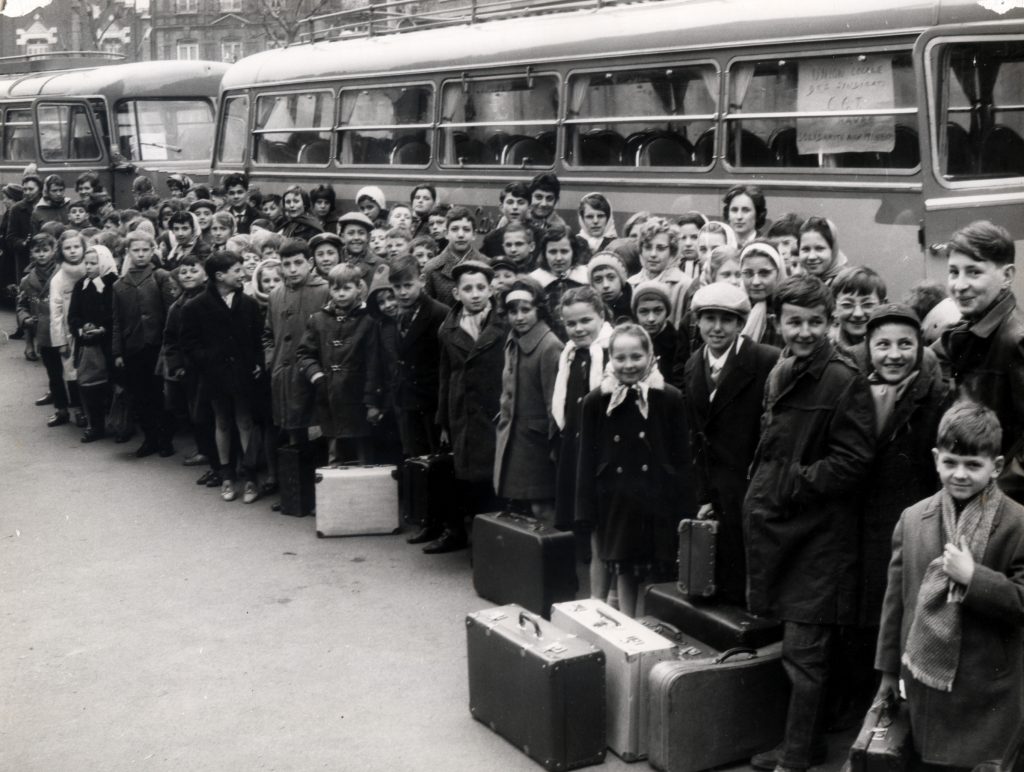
[(357, 501), (539, 687), (721, 625), (883, 743), (697, 539), (517, 559), (296, 479), (428, 489), (710, 711), (631, 649)]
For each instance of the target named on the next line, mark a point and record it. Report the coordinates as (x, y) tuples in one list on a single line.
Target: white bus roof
[(137, 80), (667, 26)]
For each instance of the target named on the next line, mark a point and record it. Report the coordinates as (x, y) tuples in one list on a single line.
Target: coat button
[(642, 435), (643, 468), (619, 470), (287, 338), (616, 438)]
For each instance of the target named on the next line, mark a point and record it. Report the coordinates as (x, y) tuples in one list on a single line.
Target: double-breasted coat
[(523, 468), (801, 509), (346, 349), (977, 720), (414, 386), (633, 482), (470, 392), (724, 433), (288, 310)]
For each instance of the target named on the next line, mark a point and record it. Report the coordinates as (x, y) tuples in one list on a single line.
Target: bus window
[(19, 144), (780, 113), (500, 121), (65, 133), (386, 125), (649, 117), (294, 128), (233, 130), (164, 129), (981, 113)]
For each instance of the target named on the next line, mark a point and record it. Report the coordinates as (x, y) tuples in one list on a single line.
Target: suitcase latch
[(556, 650), (879, 732), (633, 640), (496, 616)]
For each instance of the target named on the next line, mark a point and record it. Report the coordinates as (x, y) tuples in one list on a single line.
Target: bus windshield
[(165, 129)]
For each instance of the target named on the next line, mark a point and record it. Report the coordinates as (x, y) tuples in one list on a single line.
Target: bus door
[(973, 77), (69, 140)]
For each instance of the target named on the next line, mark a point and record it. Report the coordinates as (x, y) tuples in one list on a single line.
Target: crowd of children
[(741, 368)]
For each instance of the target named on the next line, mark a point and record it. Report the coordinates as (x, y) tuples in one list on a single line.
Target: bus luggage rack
[(393, 16), (57, 60)]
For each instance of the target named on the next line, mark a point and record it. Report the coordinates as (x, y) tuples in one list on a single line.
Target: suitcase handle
[(733, 652), (608, 617), (524, 618)]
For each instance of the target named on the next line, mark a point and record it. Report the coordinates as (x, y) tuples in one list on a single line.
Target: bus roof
[(138, 79), (666, 25)]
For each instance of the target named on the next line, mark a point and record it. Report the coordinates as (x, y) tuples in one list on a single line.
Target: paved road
[(147, 625)]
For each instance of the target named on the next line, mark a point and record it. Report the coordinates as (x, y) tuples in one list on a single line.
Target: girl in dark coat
[(339, 356), (633, 482)]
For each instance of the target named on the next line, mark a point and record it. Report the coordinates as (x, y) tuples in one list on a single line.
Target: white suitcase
[(357, 501), (631, 650)]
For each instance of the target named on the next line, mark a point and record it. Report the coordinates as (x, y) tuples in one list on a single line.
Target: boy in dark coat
[(236, 201), (953, 616), (723, 387), (414, 390), (817, 441), (438, 279), (984, 352), (472, 356), (339, 355), (221, 337), (141, 299), (33, 311)]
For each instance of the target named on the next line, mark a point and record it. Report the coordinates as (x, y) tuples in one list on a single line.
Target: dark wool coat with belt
[(979, 717), (985, 359), (903, 473), (802, 505), (634, 482), (141, 299), (523, 468), (288, 310), (470, 391), (723, 435), (223, 344), (414, 386), (346, 349)]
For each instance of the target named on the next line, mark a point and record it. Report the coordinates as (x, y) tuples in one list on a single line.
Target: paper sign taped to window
[(864, 83)]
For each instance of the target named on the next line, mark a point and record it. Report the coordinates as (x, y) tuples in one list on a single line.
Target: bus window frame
[(115, 138), (87, 108), (466, 78), (565, 121), (431, 128), (329, 129), (218, 139), (722, 143), (4, 109), (930, 60)]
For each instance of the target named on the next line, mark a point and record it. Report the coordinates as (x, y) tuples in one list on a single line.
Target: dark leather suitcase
[(710, 711), (517, 559), (428, 489), (540, 688), (687, 647), (718, 624), (296, 479), (883, 743), (697, 540)]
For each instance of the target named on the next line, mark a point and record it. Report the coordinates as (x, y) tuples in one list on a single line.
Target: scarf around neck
[(598, 350), (652, 379), (932, 651)]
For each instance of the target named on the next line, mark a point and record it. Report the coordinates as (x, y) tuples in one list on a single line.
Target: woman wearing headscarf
[(597, 226)]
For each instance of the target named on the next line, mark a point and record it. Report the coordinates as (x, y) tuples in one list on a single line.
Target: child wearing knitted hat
[(652, 304), (608, 277)]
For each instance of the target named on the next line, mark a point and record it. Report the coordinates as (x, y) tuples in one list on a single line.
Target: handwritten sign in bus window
[(862, 83)]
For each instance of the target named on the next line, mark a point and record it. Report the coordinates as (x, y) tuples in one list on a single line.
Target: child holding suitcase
[(953, 616), (633, 483)]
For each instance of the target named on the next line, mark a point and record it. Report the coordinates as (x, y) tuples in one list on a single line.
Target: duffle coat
[(470, 392), (346, 349), (141, 299), (724, 433), (523, 468), (802, 504), (288, 310), (977, 720), (223, 344), (633, 482)]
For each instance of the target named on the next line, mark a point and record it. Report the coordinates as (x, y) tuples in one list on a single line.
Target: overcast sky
[(21, 7)]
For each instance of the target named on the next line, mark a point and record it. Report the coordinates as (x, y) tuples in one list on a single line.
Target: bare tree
[(97, 17), (285, 20)]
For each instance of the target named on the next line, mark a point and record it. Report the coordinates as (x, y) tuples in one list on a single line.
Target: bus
[(118, 120), (899, 119)]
